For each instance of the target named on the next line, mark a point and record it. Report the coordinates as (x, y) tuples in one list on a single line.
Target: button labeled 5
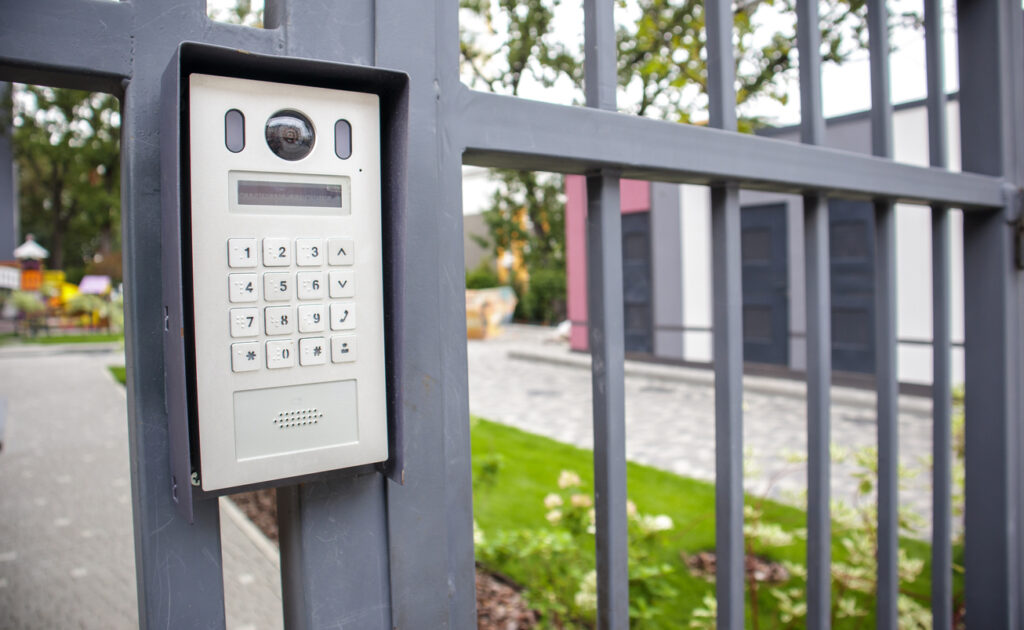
[(277, 287)]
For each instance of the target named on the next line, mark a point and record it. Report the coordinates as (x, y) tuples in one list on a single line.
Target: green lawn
[(82, 338), (529, 467), (119, 373)]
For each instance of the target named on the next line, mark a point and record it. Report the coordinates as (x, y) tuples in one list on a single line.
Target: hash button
[(313, 351)]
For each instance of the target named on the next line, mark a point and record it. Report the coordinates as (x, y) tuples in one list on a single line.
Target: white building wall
[(913, 262)]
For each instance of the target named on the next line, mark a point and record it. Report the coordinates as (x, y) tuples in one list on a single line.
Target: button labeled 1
[(241, 252)]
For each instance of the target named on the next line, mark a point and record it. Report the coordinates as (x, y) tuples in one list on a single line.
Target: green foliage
[(483, 277), (551, 555), (556, 560), (66, 145), (27, 304), (544, 299), (120, 374)]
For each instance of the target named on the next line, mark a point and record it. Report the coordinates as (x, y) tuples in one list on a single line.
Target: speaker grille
[(298, 418)]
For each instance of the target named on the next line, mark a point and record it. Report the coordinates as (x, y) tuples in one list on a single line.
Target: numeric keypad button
[(312, 318), (277, 287), (343, 348), (309, 252), (280, 354), (279, 320), (311, 285), (245, 357), (313, 351), (242, 253), (277, 252), (245, 322), (242, 287), (343, 316), (343, 283), (341, 251)]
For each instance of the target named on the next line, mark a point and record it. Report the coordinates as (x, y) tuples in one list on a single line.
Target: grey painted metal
[(989, 37), (819, 382), (819, 332), (10, 236), (503, 131), (334, 560), (727, 317), (942, 377), (605, 332), (430, 525), (607, 349), (886, 376), (728, 364)]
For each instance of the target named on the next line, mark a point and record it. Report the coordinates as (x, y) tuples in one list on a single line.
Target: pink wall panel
[(635, 196)]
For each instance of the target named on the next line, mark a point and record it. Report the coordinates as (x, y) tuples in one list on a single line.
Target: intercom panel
[(283, 234)]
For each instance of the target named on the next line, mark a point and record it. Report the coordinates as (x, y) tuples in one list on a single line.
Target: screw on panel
[(195, 478)]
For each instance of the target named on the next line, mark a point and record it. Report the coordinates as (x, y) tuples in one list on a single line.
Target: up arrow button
[(341, 252)]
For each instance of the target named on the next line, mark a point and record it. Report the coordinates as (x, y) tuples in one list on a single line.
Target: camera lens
[(290, 135)]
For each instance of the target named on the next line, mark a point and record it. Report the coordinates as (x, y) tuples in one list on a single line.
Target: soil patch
[(499, 605)]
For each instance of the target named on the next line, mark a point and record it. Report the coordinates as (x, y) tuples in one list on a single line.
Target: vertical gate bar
[(989, 37), (178, 566), (9, 222), (606, 333), (819, 333), (886, 385), (334, 525), (430, 513), (728, 331), (942, 435)]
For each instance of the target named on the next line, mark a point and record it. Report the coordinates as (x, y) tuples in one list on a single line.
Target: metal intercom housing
[(283, 196)]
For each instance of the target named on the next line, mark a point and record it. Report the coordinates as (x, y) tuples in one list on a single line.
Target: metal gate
[(406, 557)]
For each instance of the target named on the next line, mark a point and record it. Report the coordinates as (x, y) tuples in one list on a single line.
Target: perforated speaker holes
[(298, 418)]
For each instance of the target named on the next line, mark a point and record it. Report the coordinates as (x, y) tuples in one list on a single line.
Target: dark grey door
[(636, 281), (765, 284), (852, 244)]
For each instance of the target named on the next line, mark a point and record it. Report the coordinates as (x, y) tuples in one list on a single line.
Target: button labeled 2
[(277, 252)]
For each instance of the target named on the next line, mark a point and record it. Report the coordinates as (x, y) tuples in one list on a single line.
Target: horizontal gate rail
[(509, 132)]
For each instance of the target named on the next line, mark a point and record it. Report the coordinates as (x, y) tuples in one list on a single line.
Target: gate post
[(990, 130)]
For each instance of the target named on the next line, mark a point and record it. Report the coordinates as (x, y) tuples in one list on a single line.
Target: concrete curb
[(237, 517), (35, 350), (909, 405)]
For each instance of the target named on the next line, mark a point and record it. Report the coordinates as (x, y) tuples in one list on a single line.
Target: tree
[(66, 145), (662, 72)]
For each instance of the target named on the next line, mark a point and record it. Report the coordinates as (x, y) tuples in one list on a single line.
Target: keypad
[(291, 314)]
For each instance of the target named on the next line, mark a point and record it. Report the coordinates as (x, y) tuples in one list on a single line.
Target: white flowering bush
[(556, 562)]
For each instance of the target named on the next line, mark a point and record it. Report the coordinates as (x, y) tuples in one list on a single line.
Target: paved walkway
[(66, 545), (528, 379)]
